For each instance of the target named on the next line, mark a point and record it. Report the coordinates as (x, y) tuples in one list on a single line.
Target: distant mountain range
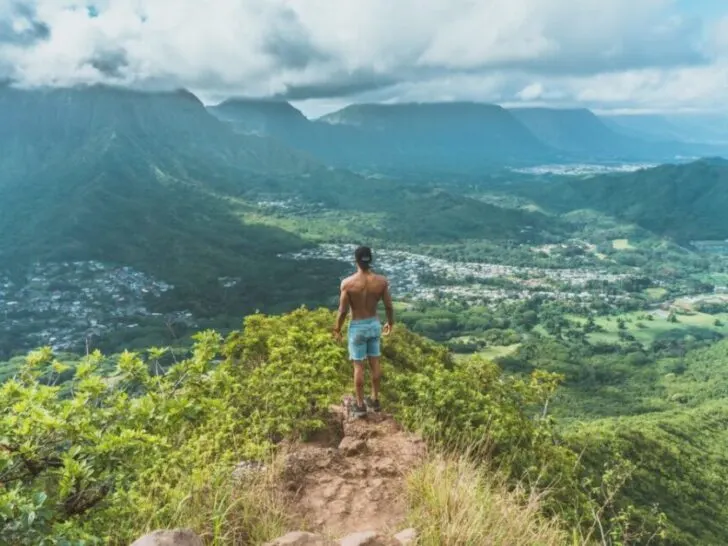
[(158, 181), (456, 137), (701, 129)]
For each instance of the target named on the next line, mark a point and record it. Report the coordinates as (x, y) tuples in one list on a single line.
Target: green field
[(621, 244), (493, 353), (697, 324), (656, 293)]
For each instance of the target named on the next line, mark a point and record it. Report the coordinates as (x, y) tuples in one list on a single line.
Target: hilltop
[(706, 130), (260, 116), (446, 136)]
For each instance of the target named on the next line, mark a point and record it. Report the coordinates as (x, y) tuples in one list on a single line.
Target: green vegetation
[(663, 410), (680, 460), (651, 198), (107, 459), (648, 328)]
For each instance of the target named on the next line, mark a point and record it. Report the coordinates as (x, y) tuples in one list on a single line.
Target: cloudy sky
[(618, 55)]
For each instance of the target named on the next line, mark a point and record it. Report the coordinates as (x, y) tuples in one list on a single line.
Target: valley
[(564, 283)]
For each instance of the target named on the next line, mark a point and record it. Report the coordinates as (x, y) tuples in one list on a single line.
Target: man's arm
[(388, 307), (343, 310)]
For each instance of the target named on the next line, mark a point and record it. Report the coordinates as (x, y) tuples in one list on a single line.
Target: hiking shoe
[(358, 411), (373, 405)]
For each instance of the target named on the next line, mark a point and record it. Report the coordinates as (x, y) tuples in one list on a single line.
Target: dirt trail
[(352, 476)]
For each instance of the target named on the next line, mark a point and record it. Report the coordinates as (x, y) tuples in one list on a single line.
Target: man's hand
[(337, 335), (387, 329)]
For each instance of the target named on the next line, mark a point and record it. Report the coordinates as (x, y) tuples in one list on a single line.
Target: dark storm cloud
[(290, 44), (345, 85), (33, 29), (110, 63)]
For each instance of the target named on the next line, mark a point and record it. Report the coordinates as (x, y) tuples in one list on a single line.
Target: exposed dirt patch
[(358, 485)]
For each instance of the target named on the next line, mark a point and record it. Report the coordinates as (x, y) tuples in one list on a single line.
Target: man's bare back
[(364, 291)]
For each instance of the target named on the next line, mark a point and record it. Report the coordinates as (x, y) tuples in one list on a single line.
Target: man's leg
[(376, 370), (359, 381), (374, 353), (358, 355)]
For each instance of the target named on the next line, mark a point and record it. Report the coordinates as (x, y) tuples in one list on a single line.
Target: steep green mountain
[(452, 137), (455, 136), (579, 131), (686, 202), (261, 116), (41, 126), (337, 146), (141, 179), (406, 138), (679, 460)]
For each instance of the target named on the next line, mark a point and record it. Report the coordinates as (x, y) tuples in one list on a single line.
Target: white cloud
[(531, 92), (591, 52)]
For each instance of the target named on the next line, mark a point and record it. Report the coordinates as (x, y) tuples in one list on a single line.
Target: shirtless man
[(362, 292)]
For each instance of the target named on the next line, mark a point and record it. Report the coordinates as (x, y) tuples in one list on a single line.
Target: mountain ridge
[(682, 201)]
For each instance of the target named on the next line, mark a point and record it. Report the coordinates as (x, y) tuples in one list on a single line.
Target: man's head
[(363, 257)]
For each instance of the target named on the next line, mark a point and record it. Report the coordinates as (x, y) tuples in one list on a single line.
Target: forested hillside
[(137, 179), (685, 202)]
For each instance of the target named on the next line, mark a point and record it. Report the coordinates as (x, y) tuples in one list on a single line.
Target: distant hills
[(447, 137), (454, 137), (686, 202), (701, 129), (580, 133)]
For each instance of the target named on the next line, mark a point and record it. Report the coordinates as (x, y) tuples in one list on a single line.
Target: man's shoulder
[(347, 281)]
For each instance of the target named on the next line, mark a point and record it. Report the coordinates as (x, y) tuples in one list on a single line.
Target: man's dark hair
[(363, 256)]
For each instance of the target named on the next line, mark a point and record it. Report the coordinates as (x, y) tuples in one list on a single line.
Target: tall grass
[(222, 511), (454, 502)]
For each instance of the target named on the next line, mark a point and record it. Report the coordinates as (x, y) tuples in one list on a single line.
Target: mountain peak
[(259, 116), (270, 106), (358, 114)]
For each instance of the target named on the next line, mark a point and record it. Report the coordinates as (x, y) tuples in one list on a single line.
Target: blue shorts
[(364, 338)]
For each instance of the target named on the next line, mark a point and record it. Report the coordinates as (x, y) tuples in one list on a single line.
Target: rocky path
[(346, 486), (352, 478)]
